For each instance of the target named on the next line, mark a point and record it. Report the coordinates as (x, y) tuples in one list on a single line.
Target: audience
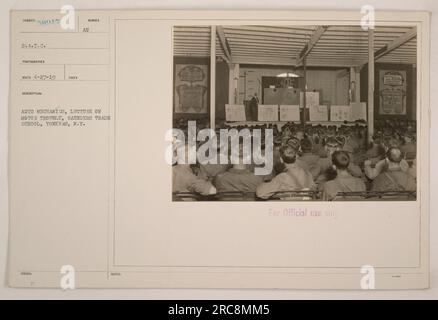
[(329, 158)]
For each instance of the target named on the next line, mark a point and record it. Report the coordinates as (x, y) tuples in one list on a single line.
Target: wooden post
[(213, 78), (370, 84), (303, 117), (352, 91), (233, 81)]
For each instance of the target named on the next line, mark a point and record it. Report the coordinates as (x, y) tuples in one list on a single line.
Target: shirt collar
[(239, 171), (343, 174), (291, 165)]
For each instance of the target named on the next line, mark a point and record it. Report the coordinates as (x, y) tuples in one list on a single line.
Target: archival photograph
[(294, 113), (270, 150)]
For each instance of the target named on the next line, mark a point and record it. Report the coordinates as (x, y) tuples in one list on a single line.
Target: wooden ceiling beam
[(311, 43)]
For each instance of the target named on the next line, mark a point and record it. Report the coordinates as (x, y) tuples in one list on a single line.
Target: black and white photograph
[(236, 153), (294, 113)]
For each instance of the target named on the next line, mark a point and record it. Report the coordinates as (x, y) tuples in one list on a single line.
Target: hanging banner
[(392, 92)]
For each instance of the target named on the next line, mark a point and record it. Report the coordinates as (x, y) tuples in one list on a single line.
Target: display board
[(289, 113), (267, 112), (312, 99), (355, 111), (318, 113), (340, 113), (235, 112)]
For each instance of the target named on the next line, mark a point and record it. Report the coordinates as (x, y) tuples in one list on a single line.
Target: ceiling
[(285, 45)]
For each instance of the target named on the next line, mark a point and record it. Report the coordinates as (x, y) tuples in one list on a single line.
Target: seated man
[(295, 178), (409, 148), (184, 180), (354, 139), (296, 145), (392, 176), (299, 134), (344, 181), (372, 172), (278, 166), (210, 171), (308, 158), (325, 164), (238, 178), (317, 146), (413, 169), (376, 150)]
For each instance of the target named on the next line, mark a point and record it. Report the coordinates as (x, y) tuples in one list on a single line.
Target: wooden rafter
[(310, 44), (398, 42), (224, 44)]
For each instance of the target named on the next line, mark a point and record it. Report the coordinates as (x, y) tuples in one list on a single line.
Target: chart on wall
[(392, 92), (190, 91)]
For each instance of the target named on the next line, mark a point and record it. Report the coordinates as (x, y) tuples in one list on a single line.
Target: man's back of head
[(306, 145), (288, 154), (394, 155), (341, 160)]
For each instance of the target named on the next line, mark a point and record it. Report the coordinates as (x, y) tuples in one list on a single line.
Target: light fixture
[(287, 75)]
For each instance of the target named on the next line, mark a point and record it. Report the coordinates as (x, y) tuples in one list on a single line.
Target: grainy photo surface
[(219, 149)]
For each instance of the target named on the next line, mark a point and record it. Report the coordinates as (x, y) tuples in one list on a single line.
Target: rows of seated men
[(326, 159)]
